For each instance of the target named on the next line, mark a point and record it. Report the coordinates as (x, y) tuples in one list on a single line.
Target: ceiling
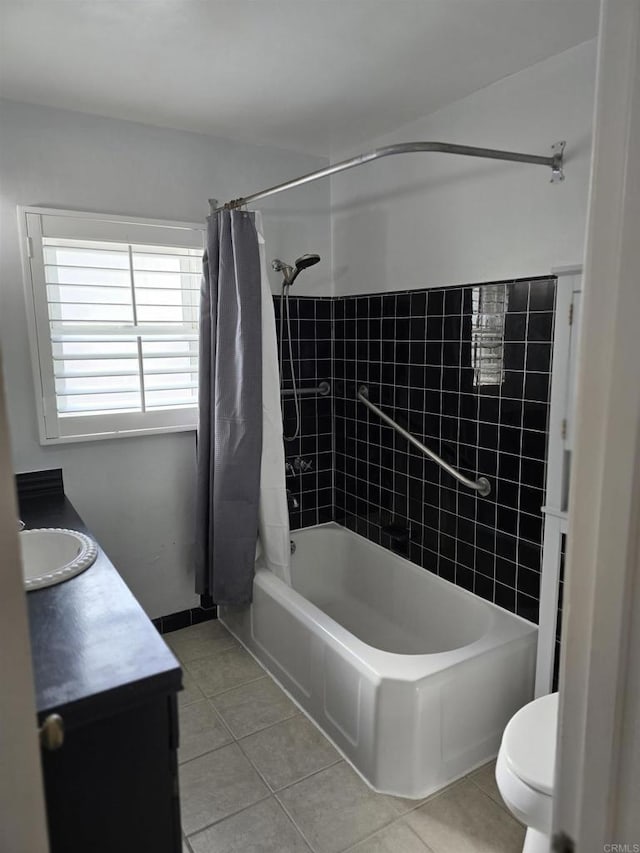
[(309, 75)]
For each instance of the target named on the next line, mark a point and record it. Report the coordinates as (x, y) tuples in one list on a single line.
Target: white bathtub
[(413, 678)]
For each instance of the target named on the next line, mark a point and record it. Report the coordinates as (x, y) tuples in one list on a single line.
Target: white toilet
[(525, 769)]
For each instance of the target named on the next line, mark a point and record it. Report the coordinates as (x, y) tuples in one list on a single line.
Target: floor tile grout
[(399, 819), (231, 814), (222, 692), (276, 793), (293, 821), (270, 796), (499, 803), (291, 784), (296, 713)]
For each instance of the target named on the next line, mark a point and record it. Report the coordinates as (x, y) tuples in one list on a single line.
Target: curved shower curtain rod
[(554, 162)]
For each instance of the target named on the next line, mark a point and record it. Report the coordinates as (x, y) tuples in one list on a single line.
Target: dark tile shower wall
[(311, 337), (414, 352), (556, 658)]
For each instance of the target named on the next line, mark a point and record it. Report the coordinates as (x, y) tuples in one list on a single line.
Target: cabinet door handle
[(52, 732)]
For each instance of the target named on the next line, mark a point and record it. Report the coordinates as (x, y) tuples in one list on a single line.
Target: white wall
[(22, 813), (136, 494), (425, 220)]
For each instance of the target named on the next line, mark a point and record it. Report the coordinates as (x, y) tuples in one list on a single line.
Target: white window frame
[(100, 227)]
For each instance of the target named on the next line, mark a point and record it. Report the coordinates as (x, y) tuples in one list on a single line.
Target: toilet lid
[(529, 743)]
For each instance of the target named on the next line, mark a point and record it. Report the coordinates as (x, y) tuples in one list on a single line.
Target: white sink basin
[(52, 555)]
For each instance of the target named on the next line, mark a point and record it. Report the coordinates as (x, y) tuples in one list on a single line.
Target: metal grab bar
[(481, 485), (322, 390)]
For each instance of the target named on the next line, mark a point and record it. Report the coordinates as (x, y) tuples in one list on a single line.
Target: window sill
[(114, 434)]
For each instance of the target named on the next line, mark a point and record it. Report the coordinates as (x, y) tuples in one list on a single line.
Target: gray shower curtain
[(230, 403)]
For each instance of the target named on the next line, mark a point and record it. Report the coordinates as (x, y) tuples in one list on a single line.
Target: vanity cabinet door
[(112, 787)]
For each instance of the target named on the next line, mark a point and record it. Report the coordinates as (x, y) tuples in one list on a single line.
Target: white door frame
[(561, 417), (22, 812), (598, 770)]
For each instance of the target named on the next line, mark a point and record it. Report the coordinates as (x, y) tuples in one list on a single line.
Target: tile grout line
[(268, 796), (293, 821), (276, 791)]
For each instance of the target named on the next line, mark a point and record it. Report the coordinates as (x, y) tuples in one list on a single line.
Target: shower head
[(305, 261), (291, 273)]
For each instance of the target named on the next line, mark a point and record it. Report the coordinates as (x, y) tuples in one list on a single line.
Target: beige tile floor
[(256, 776)]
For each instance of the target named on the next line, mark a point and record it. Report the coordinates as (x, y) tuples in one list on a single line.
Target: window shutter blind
[(122, 325)]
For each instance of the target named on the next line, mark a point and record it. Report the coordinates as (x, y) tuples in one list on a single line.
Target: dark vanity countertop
[(94, 649)]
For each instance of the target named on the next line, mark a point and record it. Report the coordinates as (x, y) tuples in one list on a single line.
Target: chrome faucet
[(292, 500), (21, 524)]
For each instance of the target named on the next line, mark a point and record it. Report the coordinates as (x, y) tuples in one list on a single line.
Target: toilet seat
[(529, 743), (526, 762), (532, 808)]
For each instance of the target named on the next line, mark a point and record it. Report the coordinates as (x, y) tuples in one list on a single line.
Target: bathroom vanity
[(99, 663)]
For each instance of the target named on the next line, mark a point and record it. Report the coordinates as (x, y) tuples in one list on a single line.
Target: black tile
[(536, 387), (505, 597), (175, 621), (535, 416), (507, 520), (489, 409), (402, 326), (514, 356), (433, 354), (506, 545), (464, 577), (488, 436), (507, 493), (486, 538), (531, 500), (448, 546), (518, 296), (421, 373), (419, 304), (515, 327), (534, 444), (485, 562), (33, 484), (529, 555), (527, 607), (451, 329), (510, 439), (529, 582), (434, 328), (509, 466), (448, 570), (465, 555), (542, 295), (538, 357), (530, 527), (532, 472), (306, 309), (513, 384), (505, 572), (201, 614), (403, 305), (435, 302), (540, 327), (453, 301), (510, 413), (418, 331), (483, 586)]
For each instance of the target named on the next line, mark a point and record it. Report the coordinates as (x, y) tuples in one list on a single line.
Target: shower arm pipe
[(481, 485), (554, 161)]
